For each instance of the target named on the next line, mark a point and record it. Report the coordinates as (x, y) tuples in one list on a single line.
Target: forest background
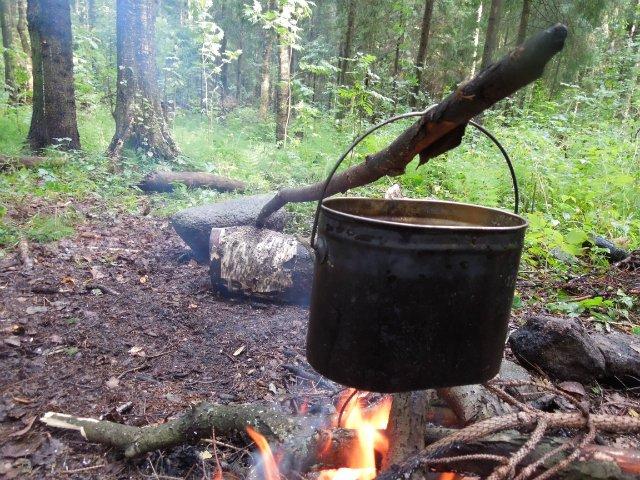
[(271, 92)]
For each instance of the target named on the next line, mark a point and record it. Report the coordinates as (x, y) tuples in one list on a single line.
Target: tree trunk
[(265, 76), (396, 71), (140, 123), (239, 75), (53, 121), (524, 21), (91, 13), (21, 26), (348, 42), (476, 41), (224, 70), (493, 27), (6, 23), (422, 49), (284, 90)]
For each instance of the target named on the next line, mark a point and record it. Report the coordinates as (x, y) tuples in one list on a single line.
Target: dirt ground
[(118, 322)]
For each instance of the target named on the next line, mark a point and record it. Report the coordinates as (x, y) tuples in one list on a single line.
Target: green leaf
[(576, 237)]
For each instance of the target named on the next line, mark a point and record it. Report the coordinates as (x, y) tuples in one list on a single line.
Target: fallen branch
[(442, 127), (102, 288), (196, 423), (165, 182)]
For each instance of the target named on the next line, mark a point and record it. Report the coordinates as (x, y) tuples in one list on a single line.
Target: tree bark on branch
[(310, 447), (442, 127)]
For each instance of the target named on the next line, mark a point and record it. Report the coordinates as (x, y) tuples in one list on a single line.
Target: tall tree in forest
[(476, 41), (524, 21), (422, 49), (6, 23), (53, 121), (347, 44), (140, 123), (265, 75), (22, 28), (285, 23), (283, 99), (91, 13), (491, 36)]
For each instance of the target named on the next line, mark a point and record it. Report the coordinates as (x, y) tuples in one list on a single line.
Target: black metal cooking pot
[(411, 294)]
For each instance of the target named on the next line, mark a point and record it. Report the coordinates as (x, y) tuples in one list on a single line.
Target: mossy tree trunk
[(53, 122), (140, 123), (21, 26), (6, 23)]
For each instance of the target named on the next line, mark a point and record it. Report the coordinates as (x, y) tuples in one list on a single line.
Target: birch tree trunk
[(140, 123), (284, 90), (422, 49), (53, 121), (265, 76), (476, 42)]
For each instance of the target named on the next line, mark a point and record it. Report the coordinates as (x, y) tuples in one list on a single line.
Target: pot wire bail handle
[(512, 172)]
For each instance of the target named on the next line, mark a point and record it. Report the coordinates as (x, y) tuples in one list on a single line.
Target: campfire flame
[(269, 463), (371, 443)]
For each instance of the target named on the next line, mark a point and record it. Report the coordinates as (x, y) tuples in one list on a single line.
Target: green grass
[(578, 175)]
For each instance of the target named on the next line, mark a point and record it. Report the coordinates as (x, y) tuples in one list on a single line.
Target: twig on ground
[(80, 470)]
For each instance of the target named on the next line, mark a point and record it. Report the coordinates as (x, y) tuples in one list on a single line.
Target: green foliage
[(604, 311)]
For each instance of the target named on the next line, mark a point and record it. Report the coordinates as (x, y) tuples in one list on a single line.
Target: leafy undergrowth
[(578, 177)]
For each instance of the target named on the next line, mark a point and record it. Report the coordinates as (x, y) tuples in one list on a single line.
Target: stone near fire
[(260, 263), (194, 224), (560, 347), (622, 357)]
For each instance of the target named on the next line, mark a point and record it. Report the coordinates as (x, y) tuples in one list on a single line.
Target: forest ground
[(165, 340)]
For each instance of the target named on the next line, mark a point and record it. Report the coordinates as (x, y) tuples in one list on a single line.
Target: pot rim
[(458, 228)]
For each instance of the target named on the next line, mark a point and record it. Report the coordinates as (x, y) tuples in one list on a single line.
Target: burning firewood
[(355, 439)]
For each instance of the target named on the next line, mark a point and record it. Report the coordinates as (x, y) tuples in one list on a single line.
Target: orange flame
[(367, 422), (270, 465)]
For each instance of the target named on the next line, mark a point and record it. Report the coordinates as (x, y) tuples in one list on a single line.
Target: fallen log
[(442, 127), (8, 162), (166, 181), (196, 423), (260, 263)]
